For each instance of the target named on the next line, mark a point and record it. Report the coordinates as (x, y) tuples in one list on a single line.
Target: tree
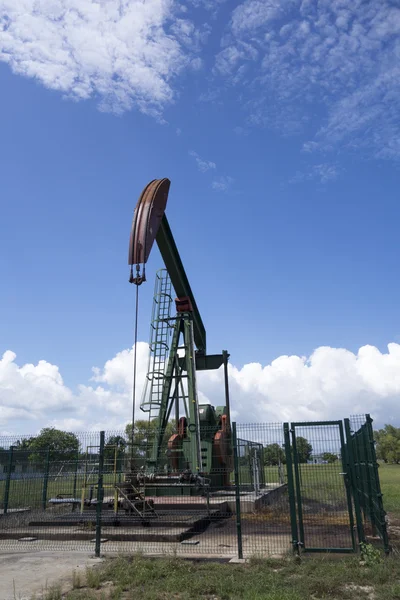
[(274, 455), (144, 435), (329, 457), (304, 449), (62, 446), (24, 443), (114, 448), (388, 444), (22, 452)]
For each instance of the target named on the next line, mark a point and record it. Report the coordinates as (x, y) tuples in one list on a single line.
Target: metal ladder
[(160, 329)]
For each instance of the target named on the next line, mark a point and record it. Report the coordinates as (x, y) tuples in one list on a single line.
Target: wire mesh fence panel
[(264, 499), (41, 492), (171, 495), (366, 483), (207, 491), (158, 493), (323, 498)]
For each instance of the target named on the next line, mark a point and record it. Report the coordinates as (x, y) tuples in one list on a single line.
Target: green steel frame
[(175, 373), (173, 263)]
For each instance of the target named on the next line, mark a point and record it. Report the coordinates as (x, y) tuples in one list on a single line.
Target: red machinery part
[(175, 443), (147, 219), (183, 304), (222, 444)]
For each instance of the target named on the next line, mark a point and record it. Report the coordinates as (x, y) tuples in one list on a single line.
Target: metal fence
[(365, 484), (265, 489)]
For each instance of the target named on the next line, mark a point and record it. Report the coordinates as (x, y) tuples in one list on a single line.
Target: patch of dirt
[(393, 527), (367, 591)]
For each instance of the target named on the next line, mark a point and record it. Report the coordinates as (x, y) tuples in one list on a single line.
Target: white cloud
[(255, 14), (202, 164), (222, 183), (210, 5), (125, 53), (335, 59), (323, 172), (34, 395), (330, 384)]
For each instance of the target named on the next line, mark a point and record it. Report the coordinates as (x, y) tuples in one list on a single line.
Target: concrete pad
[(25, 574), (238, 561)]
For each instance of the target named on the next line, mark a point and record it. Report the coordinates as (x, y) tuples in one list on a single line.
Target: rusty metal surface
[(147, 218)]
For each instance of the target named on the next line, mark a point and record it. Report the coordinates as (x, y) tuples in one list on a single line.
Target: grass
[(29, 491), (389, 476), (285, 579)]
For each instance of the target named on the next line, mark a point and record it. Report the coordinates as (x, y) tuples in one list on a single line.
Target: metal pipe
[(8, 481), (46, 480), (100, 493), (225, 357), (237, 494)]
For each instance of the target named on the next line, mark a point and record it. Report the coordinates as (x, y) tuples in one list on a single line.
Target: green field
[(28, 492), (389, 476)]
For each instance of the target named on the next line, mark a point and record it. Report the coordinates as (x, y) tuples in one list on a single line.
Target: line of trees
[(50, 443), (274, 454)]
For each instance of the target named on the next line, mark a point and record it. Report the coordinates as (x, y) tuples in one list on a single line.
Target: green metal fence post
[(100, 493), (8, 481), (46, 480), (357, 455), (368, 465), (347, 479), (237, 493), (75, 479), (298, 488), (354, 482), (378, 492), (291, 492)]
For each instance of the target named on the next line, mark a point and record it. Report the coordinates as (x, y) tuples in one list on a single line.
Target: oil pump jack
[(199, 453)]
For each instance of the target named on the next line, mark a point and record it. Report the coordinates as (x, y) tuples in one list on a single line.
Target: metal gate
[(319, 487), (367, 495)]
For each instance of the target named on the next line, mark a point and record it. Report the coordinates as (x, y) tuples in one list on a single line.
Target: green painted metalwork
[(366, 487), (74, 506), (8, 480), (209, 362), (377, 498), (322, 492), (368, 464), (193, 405), (346, 475), (354, 483), (46, 480), (291, 489), (100, 495), (300, 542), (237, 493), (169, 252), (160, 329), (172, 370)]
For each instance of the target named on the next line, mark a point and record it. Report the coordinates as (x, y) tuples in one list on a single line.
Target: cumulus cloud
[(32, 396), (330, 384), (339, 60), (126, 53), (202, 164)]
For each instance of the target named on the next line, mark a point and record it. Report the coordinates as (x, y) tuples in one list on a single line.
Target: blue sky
[(278, 125)]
